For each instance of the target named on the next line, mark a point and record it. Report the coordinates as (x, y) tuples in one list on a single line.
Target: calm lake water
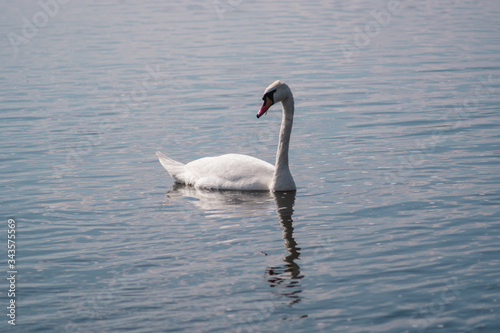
[(395, 226)]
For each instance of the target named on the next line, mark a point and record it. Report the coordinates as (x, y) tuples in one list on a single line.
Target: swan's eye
[(269, 95)]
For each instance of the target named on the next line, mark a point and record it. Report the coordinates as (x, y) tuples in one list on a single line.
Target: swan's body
[(225, 172), (242, 172)]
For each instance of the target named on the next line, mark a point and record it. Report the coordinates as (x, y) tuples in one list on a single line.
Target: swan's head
[(276, 92)]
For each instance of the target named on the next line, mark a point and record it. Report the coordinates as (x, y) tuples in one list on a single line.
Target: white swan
[(242, 172)]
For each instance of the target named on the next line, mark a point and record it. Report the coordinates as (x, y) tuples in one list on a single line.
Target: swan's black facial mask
[(268, 102)]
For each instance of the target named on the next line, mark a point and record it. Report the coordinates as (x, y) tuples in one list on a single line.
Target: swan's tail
[(174, 168)]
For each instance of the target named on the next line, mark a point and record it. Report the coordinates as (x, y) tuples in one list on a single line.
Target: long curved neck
[(282, 178), (285, 131)]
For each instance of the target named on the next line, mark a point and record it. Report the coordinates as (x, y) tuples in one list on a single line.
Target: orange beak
[(265, 106)]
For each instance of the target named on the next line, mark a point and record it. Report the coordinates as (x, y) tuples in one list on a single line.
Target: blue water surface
[(395, 226)]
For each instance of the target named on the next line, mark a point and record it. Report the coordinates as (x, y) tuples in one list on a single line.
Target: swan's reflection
[(220, 203), (288, 274), (285, 277)]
